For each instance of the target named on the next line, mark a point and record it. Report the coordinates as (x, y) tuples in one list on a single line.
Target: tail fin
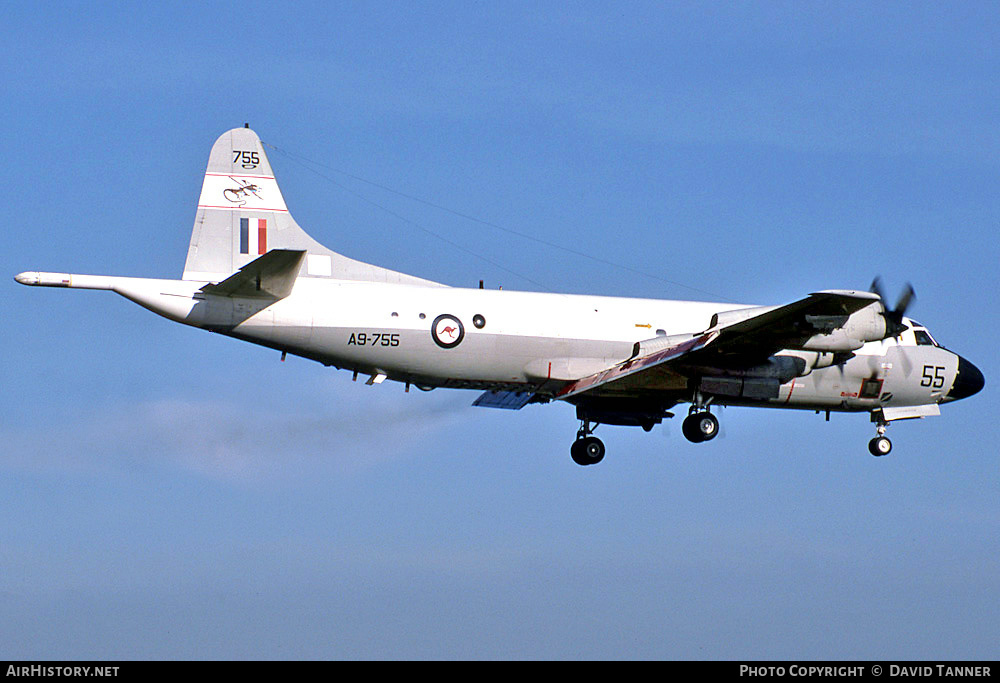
[(242, 215)]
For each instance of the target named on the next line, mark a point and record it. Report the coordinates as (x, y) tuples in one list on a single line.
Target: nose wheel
[(880, 445), (587, 449)]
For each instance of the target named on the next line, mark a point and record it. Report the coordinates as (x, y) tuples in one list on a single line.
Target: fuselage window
[(923, 339)]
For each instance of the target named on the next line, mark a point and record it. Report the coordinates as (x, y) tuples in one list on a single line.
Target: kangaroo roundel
[(447, 331)]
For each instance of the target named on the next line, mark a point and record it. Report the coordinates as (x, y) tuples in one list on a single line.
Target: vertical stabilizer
[(242, 215)]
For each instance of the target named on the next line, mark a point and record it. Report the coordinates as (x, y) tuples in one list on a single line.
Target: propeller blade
[(894, 316), (876, 288), (905, 299)]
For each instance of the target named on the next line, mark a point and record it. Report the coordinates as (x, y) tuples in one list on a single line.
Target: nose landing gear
[(880, 445)]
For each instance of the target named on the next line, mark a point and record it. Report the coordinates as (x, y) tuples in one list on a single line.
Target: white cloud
[(231, 440)]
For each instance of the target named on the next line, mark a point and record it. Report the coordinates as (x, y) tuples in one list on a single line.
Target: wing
[(742, 337)]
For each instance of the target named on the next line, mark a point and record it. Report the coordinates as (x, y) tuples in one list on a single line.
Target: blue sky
[(167, 493)]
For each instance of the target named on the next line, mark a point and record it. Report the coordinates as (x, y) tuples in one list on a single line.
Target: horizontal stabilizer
[(271, 276), (508, 400)]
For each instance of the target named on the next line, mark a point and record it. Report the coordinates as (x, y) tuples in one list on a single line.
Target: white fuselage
[(509, 339)]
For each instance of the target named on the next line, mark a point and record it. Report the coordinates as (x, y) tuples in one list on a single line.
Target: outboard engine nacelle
[(843, 334)]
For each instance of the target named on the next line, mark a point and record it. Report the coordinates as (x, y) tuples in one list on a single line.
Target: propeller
[(894, 317)]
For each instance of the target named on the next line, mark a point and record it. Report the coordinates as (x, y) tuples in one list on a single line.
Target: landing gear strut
[(587, 449), (880, 445), (700, 425)]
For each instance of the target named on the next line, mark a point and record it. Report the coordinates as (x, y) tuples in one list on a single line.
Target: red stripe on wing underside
[(633, 366)]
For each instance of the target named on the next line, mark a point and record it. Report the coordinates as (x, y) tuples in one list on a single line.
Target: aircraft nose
[(968, 381)]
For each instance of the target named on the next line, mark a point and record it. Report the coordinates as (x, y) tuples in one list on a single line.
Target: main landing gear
[(700, 425), (880, 445), (587, 449)]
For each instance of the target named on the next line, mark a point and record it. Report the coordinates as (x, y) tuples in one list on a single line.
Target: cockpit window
[(923, 338)]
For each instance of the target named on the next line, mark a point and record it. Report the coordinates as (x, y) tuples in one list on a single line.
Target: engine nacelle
[(814, 360), (843, 334), (726, 318), (756, 382)]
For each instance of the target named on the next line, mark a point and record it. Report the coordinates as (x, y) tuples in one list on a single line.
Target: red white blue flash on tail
[(253, 241)]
